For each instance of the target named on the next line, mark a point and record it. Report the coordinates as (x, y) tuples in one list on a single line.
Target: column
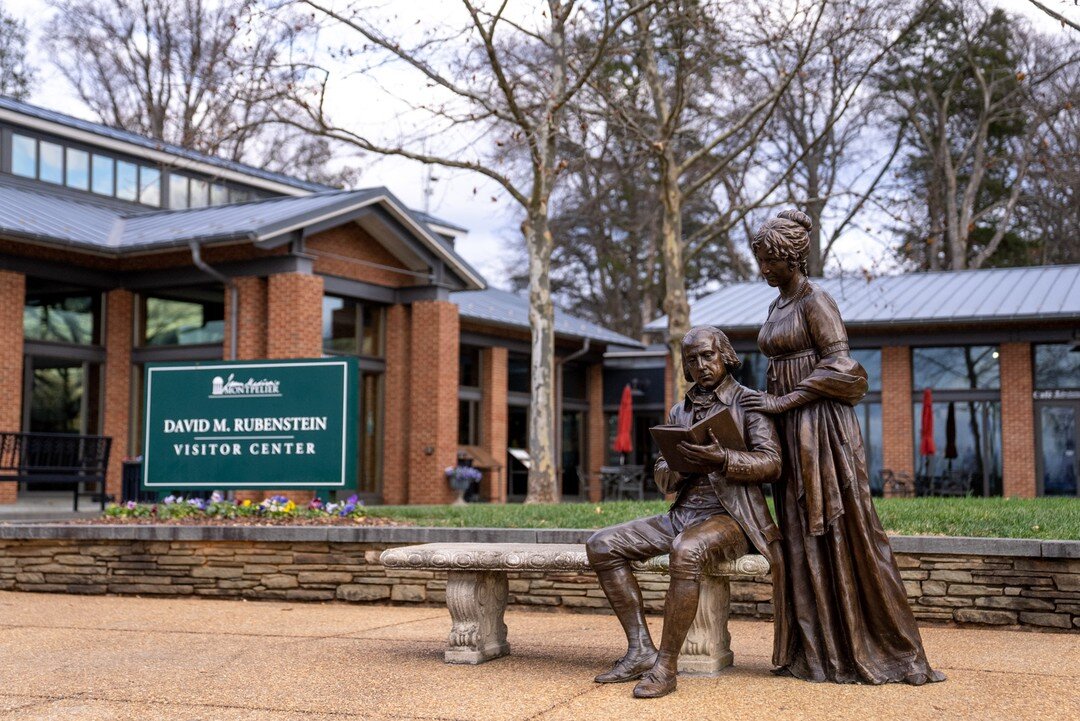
[(493, 410), (433, 402), (251, 323), (12, 300), (897, 414), (395, 486), (294, 328), (119, 328), (1017, 420), (596, 434)]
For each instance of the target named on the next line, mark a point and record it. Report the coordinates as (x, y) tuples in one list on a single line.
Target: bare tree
[(820, 137), (706, 109), (195, 73), (16, 76), (1057, 14), (497, 85), (968, 88)]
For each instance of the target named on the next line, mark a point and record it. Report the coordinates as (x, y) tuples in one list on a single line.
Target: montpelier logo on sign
[(288, 424)]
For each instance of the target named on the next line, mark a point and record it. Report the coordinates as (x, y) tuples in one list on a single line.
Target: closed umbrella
[(927, 449), (623, 443), (950, 432)]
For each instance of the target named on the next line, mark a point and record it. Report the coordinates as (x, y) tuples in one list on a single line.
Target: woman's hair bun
[(799, 217)]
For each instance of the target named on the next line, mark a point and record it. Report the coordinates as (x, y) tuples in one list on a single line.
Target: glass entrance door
[(61, 396), (1059, 465)]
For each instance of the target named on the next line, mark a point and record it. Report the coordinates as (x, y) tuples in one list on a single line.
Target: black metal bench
[(55, 458)]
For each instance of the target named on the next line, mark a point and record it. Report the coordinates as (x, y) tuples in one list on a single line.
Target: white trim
[(284, 364), (158, 156)]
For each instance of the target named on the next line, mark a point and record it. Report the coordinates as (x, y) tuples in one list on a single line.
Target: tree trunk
[(815, 207), (671, 245), (543, 478)]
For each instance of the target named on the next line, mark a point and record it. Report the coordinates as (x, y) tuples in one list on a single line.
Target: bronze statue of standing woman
[(850, 617)]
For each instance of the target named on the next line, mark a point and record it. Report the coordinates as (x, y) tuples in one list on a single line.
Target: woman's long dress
[(851, 621)]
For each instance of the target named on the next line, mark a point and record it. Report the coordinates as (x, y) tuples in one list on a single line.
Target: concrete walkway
[(72, 658)]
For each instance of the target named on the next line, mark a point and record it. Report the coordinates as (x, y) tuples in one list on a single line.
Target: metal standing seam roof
[(510, 309), (62, 220), (992, 295), (150, 144)]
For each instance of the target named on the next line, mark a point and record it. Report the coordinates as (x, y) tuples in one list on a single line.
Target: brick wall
[(1017, 420), (12, 299), (596, 430), (251, 318), (294, 327), (396, 408), (1039, 593), (294, 316), (493, 412), (119, 323), (433, 402), (358, 257), (897, 414)]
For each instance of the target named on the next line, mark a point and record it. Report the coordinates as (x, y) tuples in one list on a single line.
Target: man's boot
[(622, 591), (680, 607)]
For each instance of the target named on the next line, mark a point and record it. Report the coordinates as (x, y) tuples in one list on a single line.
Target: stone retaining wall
[(971, 581)]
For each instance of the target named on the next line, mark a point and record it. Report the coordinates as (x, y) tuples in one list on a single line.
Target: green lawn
[(1047, 518)]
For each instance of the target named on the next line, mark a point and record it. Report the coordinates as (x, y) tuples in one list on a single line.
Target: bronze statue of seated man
[(716, 515)]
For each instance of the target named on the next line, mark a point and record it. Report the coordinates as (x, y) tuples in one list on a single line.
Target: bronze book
[(668, 437)]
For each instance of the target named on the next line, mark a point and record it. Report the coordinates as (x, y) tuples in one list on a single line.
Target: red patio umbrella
[(927, 449), (623, 443), (926, 433)]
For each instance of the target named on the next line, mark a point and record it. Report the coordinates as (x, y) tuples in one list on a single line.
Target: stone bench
[(476, 594)]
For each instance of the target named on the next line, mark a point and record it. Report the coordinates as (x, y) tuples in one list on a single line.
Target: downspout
[(559, 362), (234, 294)]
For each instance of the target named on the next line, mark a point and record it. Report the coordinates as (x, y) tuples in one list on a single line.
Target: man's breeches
[(717, 537)]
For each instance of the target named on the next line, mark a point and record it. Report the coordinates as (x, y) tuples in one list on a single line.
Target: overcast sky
[(460, 197)]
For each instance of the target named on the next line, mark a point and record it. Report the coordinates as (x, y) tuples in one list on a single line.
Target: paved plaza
[(70, 658)]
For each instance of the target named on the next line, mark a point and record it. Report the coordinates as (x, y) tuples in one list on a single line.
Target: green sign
[(251, 424)]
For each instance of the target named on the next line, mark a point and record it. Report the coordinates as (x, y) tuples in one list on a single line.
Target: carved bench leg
[(477, 602), (707, 648)]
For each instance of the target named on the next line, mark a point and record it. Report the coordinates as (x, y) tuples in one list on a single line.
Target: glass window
[(127, 180), (339, 326), (1056, 366), (870, 359), (178, 191), (102, 175), (77, 174), (372, 340), (518, 373), (237, 195), (351, 327), (219, 194), (469, 367), (752, 372), (200, 193), (371, 433), (168, 321), (956, 368), (869, 415), (468, 423), (24, 156), (149, 186), (51, 169), (573, 381), (970, 450), (62, 318)]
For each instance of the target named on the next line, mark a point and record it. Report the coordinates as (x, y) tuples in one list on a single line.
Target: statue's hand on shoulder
[(763, 402), (711, 454)]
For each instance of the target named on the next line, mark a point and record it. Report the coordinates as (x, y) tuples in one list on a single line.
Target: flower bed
[(274, 511)]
